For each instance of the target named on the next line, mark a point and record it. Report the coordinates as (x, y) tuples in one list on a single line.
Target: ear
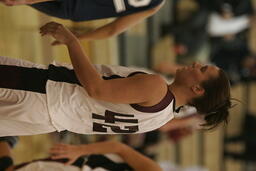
[(197, 89)]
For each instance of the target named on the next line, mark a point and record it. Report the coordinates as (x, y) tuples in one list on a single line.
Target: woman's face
[(195, 74)]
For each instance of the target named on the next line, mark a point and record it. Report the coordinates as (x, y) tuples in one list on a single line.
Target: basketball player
[(127, 13), (100, 99), (109, 155)]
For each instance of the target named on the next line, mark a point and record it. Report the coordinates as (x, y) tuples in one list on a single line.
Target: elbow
[(95, 89), (92, 92), (113, 31), (95, 93)]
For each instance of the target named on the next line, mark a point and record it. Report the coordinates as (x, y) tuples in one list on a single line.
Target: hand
[(56, 42), (14, 2), (58, 31), (61, 151)]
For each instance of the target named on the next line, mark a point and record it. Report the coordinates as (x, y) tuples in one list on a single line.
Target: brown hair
[(215, 102)]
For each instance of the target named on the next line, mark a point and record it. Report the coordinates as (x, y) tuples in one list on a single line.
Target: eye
[(204, 68)]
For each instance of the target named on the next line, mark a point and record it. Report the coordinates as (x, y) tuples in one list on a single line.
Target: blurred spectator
[(228, 27), (189, 33), (247, 138)]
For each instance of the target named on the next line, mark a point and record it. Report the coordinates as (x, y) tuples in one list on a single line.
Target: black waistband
[(22, 78)]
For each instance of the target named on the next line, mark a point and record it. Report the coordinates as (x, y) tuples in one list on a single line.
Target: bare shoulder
[(156, 87), (159, 83), (156, 79)]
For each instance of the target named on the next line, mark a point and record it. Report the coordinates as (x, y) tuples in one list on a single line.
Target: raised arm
[(141, 88), (22, 2), (133, 158), (116, 27), (119, 25)]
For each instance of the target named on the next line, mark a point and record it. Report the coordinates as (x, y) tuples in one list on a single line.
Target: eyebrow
[(204, 68)]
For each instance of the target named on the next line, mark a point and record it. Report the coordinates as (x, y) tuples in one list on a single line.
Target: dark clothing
[(84, 10), (229, 54), (93, 161), (238, 7), (12, 141), (247, 138)]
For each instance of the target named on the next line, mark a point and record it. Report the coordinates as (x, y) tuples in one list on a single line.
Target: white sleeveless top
[(114, 161), (71, 108)]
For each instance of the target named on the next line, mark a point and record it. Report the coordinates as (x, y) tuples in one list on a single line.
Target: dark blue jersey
[(84, 10)]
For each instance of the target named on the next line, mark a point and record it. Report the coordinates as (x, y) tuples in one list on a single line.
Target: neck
[(180, 96)]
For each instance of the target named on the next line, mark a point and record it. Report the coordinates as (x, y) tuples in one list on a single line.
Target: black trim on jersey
[(169, 97), (95, 161), (134, 73), (22, 78), (78, 163), (112, 77), (62, 74)]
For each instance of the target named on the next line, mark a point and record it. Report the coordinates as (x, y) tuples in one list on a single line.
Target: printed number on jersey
[(129, 123), (120, 4)]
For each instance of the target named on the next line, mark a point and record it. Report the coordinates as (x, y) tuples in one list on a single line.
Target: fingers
[(50, 28), (70, 162), (8, 2), (59, 149), (59, 156), (14, 2), (55, 43)]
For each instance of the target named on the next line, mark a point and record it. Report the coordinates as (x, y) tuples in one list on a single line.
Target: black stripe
[(22, 78), (78, 163), (62, 74), (158, 107), (95, 161)]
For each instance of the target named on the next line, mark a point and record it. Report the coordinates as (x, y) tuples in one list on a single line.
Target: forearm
[(133, 158), (5, 149), (138, 161), (174, 124), (37, 1), (100, 148), (85, 71), (103, 32), (118, 26)]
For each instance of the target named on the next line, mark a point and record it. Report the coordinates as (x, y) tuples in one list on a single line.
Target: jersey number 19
[(120, 4)]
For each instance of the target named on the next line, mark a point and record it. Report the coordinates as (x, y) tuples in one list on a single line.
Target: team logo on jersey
[(120, 4), (111, 118)]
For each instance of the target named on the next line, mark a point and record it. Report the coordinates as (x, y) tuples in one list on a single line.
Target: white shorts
[(23, 112)]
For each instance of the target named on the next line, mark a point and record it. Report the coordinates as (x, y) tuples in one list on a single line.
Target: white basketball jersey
[(71, 108)]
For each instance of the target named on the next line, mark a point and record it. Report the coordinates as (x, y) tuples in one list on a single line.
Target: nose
[(196, 64)]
